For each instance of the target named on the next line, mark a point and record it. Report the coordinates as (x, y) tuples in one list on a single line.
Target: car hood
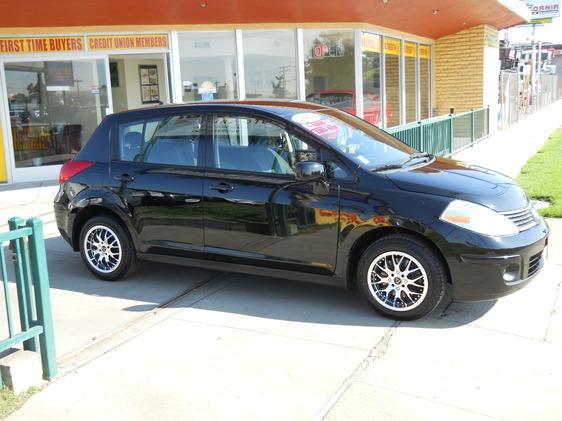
[(459, 180)]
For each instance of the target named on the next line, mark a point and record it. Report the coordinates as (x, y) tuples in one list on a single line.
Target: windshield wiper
[(387, 167), (417, 156)]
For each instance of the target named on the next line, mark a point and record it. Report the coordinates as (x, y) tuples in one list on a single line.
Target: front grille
[(523, 218), (534, 264)]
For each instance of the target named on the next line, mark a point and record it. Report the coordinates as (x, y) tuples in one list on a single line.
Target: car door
[(255, 210), (157, 171)]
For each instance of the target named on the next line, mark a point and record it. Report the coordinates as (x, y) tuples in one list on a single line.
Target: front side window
[(363, 143), (169, 140), (258, 145)]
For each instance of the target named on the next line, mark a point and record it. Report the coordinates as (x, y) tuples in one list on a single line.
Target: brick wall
[(461, 62)]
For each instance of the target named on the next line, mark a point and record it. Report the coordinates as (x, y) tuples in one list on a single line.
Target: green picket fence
[(32, 287), (445, 135)]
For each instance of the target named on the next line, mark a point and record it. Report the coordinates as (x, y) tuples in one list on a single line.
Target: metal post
[(241, 78), (533, 69), (451, 134), (42, 297), (472, 127), (422, 146), (358, 58), (301, 77), (4, 273), (23, 284)]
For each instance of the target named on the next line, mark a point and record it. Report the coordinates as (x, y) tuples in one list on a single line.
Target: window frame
[(144, 119)]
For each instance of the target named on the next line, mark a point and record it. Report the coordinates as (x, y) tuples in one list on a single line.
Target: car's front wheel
[(106, 248), (401, 277)]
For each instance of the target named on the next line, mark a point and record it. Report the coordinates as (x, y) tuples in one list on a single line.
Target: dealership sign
[(65, 44), (543, 9)]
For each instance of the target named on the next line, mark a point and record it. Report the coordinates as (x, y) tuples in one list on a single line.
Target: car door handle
[(222, 187), (125, 178)]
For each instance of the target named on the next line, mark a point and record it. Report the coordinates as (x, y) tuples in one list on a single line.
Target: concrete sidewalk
[(228, 346), (508, 150)]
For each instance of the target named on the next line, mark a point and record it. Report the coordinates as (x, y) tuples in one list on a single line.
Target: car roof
[(281, 108)]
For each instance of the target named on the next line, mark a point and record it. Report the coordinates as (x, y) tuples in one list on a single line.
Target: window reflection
[(425, 77), (330, 68), (371, 56), (270, 64), (410, 53), (54, 107), (208, 65), (392, 79)]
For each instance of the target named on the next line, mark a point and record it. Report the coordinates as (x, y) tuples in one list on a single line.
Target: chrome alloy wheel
[(102, 249), (397, 281)]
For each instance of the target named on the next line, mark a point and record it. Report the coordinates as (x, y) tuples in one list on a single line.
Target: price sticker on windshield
[(323, 127), (314, 123)]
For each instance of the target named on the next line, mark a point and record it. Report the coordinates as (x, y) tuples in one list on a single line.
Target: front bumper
[(486, 268)]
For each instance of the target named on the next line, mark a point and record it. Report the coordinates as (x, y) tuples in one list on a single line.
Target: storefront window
[(425, 77), (54, 108), (410, 53), (392, 80), (330, 68), (270, 64), (371, 55), (207, 65)]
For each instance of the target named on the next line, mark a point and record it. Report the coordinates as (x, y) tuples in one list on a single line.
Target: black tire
[(401, 305), (114, 270)]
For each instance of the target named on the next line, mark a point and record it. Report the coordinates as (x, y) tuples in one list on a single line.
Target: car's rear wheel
[(106, 248), (401, 277)]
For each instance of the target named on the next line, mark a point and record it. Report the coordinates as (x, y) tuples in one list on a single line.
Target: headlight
[(478, 218), (535, 213)]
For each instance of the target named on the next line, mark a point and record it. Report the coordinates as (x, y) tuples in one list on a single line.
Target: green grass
[(541, 177), (10, 402)]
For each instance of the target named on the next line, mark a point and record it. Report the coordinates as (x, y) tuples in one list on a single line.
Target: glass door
[(54, 106)]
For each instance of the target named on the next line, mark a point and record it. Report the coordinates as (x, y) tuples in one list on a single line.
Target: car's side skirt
[(247, 269)]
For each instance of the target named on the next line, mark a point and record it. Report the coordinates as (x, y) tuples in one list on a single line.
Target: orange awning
[(428, 18)]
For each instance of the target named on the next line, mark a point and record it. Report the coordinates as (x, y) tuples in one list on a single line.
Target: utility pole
[(533, 70)]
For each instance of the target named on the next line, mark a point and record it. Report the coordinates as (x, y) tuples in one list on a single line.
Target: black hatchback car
[(299, 191)]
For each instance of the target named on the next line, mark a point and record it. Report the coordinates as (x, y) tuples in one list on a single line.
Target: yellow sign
[(371, 43), (392, 46), (80, 43), (3, 170), (40, 45), (425, 51), (410, 49), (542, 20), (127, 42)]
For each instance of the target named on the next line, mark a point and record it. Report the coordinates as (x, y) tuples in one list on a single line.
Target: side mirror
[(310, 171)]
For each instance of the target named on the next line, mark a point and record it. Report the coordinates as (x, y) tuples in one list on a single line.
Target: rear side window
[(168, 140)]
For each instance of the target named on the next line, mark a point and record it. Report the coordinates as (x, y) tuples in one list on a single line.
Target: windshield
[(365, 144)]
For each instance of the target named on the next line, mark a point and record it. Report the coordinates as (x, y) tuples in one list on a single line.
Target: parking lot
[(171, 342)]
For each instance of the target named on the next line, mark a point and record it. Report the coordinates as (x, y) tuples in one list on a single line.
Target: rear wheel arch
[(87, 213), (368, 238)]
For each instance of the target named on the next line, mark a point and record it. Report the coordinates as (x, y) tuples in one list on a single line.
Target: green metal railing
[(445, 135), (32, 288)]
